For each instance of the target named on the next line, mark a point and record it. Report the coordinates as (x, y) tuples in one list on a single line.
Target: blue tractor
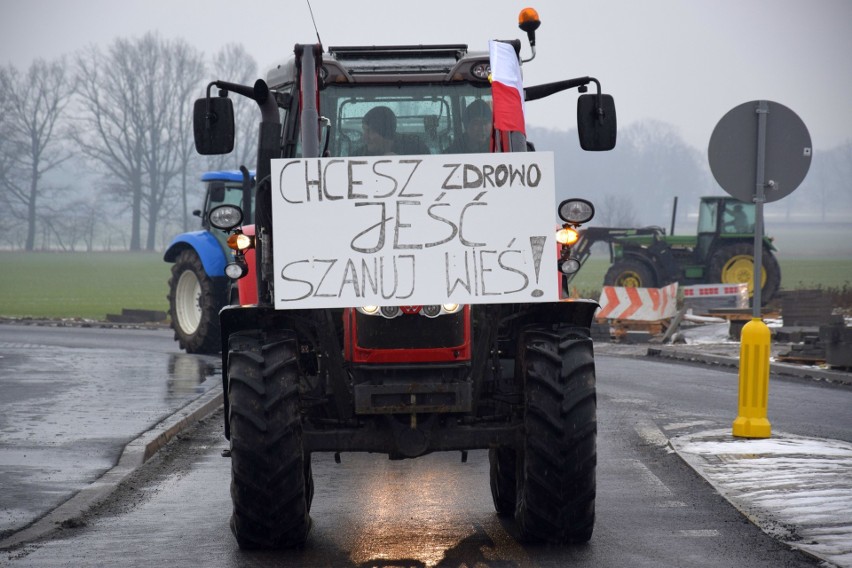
[(198, 287)]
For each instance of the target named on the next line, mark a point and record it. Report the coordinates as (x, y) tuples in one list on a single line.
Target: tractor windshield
[(407, 119), (222, 192)]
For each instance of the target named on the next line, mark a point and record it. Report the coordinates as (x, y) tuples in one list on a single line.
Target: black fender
[(574, 312), (493, 321), (234, 319)]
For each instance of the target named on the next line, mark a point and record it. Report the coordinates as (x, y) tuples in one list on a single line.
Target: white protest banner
[(414, 230)]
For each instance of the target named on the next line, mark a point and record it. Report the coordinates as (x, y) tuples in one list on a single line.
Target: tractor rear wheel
[(194, 303), (630, 273), (504, 479), (556, 466), (271, 481), (734, 264)]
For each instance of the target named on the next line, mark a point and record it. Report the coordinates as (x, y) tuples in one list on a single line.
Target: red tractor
[(515, 378)]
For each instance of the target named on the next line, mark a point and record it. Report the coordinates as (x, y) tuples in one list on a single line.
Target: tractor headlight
[(481, 70), (390, 312), (225, 217), (236, 270), (567, 236), (576, 211), (431, 311), (569, 266), (240, 242)]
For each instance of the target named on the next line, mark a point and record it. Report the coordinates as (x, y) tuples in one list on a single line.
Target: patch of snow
[(708, 333), (803, 483)]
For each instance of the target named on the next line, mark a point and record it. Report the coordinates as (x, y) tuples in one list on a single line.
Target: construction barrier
[(701, 298), (638, 304)]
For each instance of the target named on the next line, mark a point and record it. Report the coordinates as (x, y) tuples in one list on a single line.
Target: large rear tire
[(504, 479), (734, 264), (194, 303), (556, 468), (630, 273), (271, 481)]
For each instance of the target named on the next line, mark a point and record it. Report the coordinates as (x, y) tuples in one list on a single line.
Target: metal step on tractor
[(722, 251), (386, 303)]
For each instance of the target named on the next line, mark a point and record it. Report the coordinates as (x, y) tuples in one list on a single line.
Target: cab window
[(707, 216), (405, 119), (738, 218)]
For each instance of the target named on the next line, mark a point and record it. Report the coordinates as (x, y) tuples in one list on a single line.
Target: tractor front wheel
[(556, 465), (734, 264), (630, 273), (194, 303), (271, 478)]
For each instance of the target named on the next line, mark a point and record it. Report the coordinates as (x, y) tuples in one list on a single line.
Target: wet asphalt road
[(72, 398), (652, 509)]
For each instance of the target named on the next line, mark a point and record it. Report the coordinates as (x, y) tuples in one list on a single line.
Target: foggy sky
[(682, 62)]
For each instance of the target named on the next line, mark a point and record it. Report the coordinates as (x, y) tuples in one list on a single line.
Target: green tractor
[(721, 252)]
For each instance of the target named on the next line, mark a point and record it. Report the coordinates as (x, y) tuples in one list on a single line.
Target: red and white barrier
[(639, 304), (715, 296)]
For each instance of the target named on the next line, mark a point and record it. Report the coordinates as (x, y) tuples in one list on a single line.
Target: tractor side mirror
[(213, 125), (596, 122)]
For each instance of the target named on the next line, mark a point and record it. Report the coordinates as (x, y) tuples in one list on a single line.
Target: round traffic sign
[(733, 151)]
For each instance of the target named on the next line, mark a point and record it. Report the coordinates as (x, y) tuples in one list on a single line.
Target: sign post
[(759, 199), (760, 151)]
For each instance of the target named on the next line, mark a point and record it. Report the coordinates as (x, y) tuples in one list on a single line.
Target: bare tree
[(111, 132), (73, 222), (135, 120), (188, 160), (232, 63), (826, 191), (649, 166), (617, 211), (661, 166), (8, 152), (169, 108), (32, 106)]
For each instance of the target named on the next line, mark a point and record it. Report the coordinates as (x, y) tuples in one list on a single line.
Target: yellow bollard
[(751, 419)]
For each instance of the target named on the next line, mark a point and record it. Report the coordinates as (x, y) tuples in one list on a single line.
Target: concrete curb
[(135, 453), (784, 369)]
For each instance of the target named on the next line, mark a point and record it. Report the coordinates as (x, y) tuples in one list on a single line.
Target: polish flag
[(507, 88)]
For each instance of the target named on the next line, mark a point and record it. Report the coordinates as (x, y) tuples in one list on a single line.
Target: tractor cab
[(226, 187), (725, 216), (722, 218)]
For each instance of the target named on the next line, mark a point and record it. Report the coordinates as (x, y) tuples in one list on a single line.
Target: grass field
[(91, 285), (83, 285)]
